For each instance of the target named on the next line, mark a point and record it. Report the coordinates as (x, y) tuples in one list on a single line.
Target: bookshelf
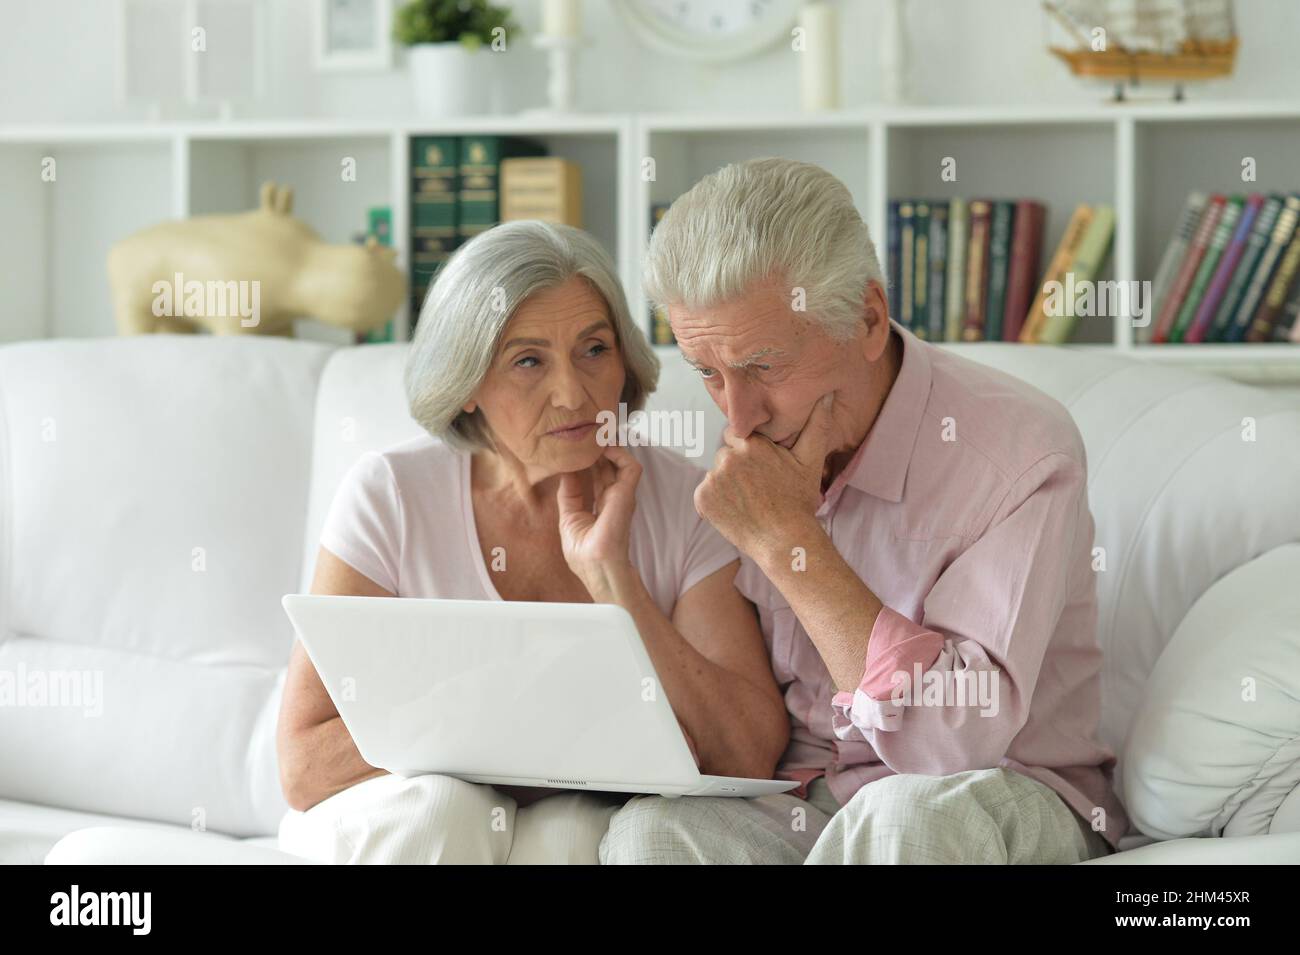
[(1142, 158)]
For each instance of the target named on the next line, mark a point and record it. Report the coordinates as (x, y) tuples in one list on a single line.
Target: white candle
[(819, 64), (561, 18)]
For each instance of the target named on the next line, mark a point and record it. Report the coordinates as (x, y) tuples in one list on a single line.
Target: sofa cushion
[(28, 831), (1216, 748), (152, 501)]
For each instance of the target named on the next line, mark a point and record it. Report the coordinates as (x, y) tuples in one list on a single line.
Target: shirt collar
[(879, 466)]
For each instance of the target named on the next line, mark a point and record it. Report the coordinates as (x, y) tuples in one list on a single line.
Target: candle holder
[(561, 55)]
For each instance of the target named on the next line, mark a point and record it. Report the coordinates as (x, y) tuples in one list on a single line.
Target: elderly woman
[(524, 339)]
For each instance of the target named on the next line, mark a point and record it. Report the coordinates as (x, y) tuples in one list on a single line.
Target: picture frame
[(353, 36)]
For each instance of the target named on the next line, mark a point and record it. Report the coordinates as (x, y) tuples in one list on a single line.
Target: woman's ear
[(469, 407)]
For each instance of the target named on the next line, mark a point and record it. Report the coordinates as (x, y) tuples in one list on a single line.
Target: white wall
[(57, 63)]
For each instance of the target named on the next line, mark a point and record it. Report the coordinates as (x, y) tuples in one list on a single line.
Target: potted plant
[(448, 43)]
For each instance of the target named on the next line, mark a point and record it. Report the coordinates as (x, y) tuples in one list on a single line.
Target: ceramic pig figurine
[(249, 273)]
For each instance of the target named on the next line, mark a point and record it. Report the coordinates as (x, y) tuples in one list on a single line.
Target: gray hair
[(765, 220), (467, 308)]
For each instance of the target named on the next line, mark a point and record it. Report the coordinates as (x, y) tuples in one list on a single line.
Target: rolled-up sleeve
[(986, 625)]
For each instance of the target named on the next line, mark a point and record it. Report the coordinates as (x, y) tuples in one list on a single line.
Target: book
[(435, 181), (955, 283), (1287, 328), (921, 269), (1256, 242), (906, 227), (995, 299), (479, 197), (894, 270), (1279, 287), (1228, 264), (548, 188), (661, 332), (1026, 245), (1175, 251), (938, 268), (379, 227), (1089, 259), (1057, 268), (1182, 283), (1222, 235), (1269, 260), (977, 271)]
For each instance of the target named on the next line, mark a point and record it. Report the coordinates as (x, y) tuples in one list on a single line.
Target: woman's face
[(558, 365)]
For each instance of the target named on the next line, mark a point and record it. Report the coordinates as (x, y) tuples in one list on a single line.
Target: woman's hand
[(594, 529)]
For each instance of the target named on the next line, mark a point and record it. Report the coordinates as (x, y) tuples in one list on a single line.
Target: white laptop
[(504, 692)]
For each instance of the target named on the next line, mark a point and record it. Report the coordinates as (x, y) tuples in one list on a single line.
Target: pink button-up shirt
[(965, 511)]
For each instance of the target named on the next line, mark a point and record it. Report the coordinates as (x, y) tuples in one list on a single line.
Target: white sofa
[(158, 495)]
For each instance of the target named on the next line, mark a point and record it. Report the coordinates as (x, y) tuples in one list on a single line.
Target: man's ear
[(875, 320)]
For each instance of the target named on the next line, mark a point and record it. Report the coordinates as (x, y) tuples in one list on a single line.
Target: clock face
[(710, 29)]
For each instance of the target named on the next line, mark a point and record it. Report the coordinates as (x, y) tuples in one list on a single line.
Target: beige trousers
[(991, 816), (432, 819)]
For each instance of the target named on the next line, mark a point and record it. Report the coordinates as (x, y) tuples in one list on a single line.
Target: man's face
[(766, 367)]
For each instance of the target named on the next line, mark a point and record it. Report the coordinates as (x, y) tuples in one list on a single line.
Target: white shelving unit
[(1141, 158)]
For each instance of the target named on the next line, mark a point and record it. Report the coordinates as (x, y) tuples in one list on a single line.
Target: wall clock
[(710, 30)]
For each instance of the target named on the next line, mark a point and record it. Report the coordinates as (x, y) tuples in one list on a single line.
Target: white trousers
[(429, 820)]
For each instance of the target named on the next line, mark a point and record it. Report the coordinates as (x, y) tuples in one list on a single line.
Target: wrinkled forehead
[(739, 335), (558, 315)]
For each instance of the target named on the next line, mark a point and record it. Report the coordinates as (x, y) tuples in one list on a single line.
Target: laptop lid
[(560, 692)]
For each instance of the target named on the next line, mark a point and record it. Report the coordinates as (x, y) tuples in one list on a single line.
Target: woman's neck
[(501, 474)]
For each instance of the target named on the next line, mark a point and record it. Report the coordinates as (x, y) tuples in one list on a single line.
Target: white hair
[(763, 220), (474, 296)]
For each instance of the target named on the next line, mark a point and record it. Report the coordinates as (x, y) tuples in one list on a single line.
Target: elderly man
[(915, 534)]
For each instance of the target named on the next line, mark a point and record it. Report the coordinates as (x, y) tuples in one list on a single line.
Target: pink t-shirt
[(403, 517)]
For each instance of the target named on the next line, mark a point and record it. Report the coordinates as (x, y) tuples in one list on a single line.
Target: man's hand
[(762, 497)]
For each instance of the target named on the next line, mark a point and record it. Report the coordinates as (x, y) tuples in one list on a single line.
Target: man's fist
[(758, 495)]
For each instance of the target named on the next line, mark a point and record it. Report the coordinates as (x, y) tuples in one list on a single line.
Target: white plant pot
[(449, 80)]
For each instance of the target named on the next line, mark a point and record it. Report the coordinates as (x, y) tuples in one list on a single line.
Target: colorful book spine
[(1223, 233), (380, 228), (1205, 312), (995, 299), (1256, 243), (1269, 260), (1026, 243), (1270, 310), (1287, 328), (1187, 271), (480, 179), (1093, 249), (954, 293), (435, 182), (1172, 260), (921, 269), (892, 240), (661, 332), (1056, 272), (906, 246), (938, 269), (977, 271)]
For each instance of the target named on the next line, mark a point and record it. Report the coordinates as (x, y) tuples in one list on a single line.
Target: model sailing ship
[(1136, 41)]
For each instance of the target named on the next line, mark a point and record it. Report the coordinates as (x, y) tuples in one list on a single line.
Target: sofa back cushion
[(152, 503)]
